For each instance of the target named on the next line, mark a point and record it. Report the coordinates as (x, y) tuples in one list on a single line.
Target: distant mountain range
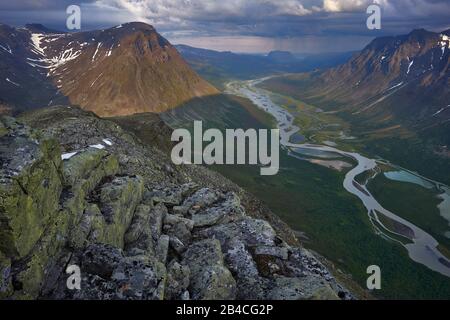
[(123, 70), (132, 69), (219, 67), (400, 79)]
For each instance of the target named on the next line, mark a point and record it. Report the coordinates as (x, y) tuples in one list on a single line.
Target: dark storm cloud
[(263, 23), (29, 5)]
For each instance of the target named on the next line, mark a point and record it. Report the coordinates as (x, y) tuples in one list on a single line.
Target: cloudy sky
[(303, 26)]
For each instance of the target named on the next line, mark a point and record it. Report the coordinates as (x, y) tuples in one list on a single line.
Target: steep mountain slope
[(394, 79), (123, 70), (395, 97), (21, 84)]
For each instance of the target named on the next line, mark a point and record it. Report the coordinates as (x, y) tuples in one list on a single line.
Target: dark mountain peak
[(137, 26), (379, 43), (392, 43), (4, 26), (421, 35), (138, 34), (406, 72), (39, 28), (6, 30), (130, 28), (419, 31)]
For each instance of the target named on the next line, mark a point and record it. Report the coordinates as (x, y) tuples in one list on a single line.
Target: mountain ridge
[(397, 78), (122, 70)]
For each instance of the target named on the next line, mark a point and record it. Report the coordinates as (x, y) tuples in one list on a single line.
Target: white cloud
[(351, 5), (232, 22), (184, 13), (158, 11)]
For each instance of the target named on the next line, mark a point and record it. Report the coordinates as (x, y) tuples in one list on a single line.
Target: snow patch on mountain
[(6, 49), (440, 111), (444, 43), (12, 82), (36, 39), (395, 86), (96, 79), (409, 66), (109, 51), (96, 50), (55, 62)]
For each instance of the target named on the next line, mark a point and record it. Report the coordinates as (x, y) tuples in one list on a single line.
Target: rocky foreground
[(80, 190)]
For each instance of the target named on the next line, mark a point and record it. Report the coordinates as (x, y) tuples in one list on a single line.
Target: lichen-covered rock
[(139, 234), (251, 231), (228, 210), (174, 220), (170, 196), (177, 281), (101, 260), (156, 218), (177, 245), (278, 252), (203, 253), (210, 279), (109, 274), (30, 186), (239, 260), (253, 288), (82, 174), (311, 287), (213, 283), (140, 278), (89, 167), (176, 226), (271, 260), (93, 287), (203, 198), (88, 228), (5, 277), (30, 272), (118, 201), (162, 248), (302, 262)]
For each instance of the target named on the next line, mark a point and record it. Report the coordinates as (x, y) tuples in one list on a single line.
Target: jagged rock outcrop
[(99, 199)]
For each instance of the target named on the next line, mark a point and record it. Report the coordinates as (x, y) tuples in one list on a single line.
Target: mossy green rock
[(209, 278), (88, 167), (306, 288), (32, 269), (30, 186), (82, 174), (118, 201)]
